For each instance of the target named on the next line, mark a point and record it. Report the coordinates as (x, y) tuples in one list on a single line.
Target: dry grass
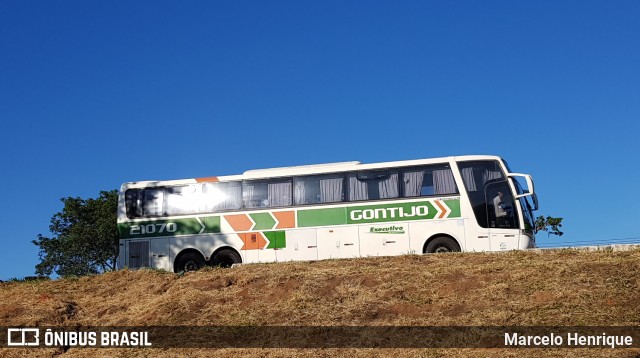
[(564, 287)]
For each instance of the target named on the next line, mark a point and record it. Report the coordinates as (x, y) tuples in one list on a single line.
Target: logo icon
[(23, 337)]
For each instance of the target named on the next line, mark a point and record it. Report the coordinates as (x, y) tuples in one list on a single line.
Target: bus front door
[(502, 216)]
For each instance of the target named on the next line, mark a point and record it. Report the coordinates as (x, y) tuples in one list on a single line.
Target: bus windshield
[(489, 193), (527, 211)]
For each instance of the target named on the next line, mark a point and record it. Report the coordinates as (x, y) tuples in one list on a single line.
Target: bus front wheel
[(442, 244), (225, 258), (189, 261)]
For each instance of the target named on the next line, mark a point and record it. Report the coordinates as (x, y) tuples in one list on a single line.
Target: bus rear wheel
[(441, 245), (225, 258), (189, 261)]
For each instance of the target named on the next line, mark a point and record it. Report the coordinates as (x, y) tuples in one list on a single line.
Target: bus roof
[(306, 170)]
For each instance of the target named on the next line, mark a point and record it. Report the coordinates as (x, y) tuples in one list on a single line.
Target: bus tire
[(189, 261), (225, 258), (442, 244)]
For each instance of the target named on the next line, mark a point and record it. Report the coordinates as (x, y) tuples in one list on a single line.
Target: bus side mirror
[(530, 190)]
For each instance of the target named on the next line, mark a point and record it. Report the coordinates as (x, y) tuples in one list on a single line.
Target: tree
[(85, 237), (549, 224)]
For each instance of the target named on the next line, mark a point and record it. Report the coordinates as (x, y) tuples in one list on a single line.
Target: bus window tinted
[(381, 187), (476, 175), (425, 181), (266, 194), (153, 202), (184, 199), (316, 189), (222, 196)]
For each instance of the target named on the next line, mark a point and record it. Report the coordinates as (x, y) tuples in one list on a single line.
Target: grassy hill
[(563, 287)]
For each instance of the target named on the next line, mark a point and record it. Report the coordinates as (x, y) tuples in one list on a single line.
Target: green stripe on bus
[(170, 227), (322, 217), (454, 205), (212, 224), (421, 210), (264, 221), (364, 214), (277, 239)]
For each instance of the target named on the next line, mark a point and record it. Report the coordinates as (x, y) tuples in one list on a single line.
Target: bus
[(327, 211)]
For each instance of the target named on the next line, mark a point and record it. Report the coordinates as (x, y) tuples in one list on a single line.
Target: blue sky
[(93, 94)]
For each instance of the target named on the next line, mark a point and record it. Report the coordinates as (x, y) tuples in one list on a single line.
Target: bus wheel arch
[(225, 256), (188, 260), (441, 243)]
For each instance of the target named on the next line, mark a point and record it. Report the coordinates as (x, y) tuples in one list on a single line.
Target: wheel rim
[(226, 261), (441, 249), (191, 265)]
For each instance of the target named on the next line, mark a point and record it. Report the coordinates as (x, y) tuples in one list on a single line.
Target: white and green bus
[(327, 211)]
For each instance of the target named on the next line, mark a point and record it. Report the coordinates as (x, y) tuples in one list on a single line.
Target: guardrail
[(613, 247)]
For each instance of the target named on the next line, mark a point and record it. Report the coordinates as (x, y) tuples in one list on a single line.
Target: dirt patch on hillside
[(517, 288)]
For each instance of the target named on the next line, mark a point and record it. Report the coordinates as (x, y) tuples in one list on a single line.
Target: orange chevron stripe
[(207, 180), (262, 241), (286, 219), (239, 222), (442, 208), (253, 241)]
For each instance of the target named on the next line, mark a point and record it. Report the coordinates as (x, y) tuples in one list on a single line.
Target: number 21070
[(153, 228)]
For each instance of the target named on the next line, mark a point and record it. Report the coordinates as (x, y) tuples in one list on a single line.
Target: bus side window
[(313, 189), (153, 202), (278, 194), (427, 181), (221, 196), (374, 184), (133, 207), (272, 193), (183, 199)]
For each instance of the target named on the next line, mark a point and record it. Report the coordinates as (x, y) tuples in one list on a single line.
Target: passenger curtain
[(413, 183), (490, 175), (299, 192), (331, 190), (389, 187), (357, 189), (279, 194), (230, 198), (469, 179), (443, 182), (247, 193)]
